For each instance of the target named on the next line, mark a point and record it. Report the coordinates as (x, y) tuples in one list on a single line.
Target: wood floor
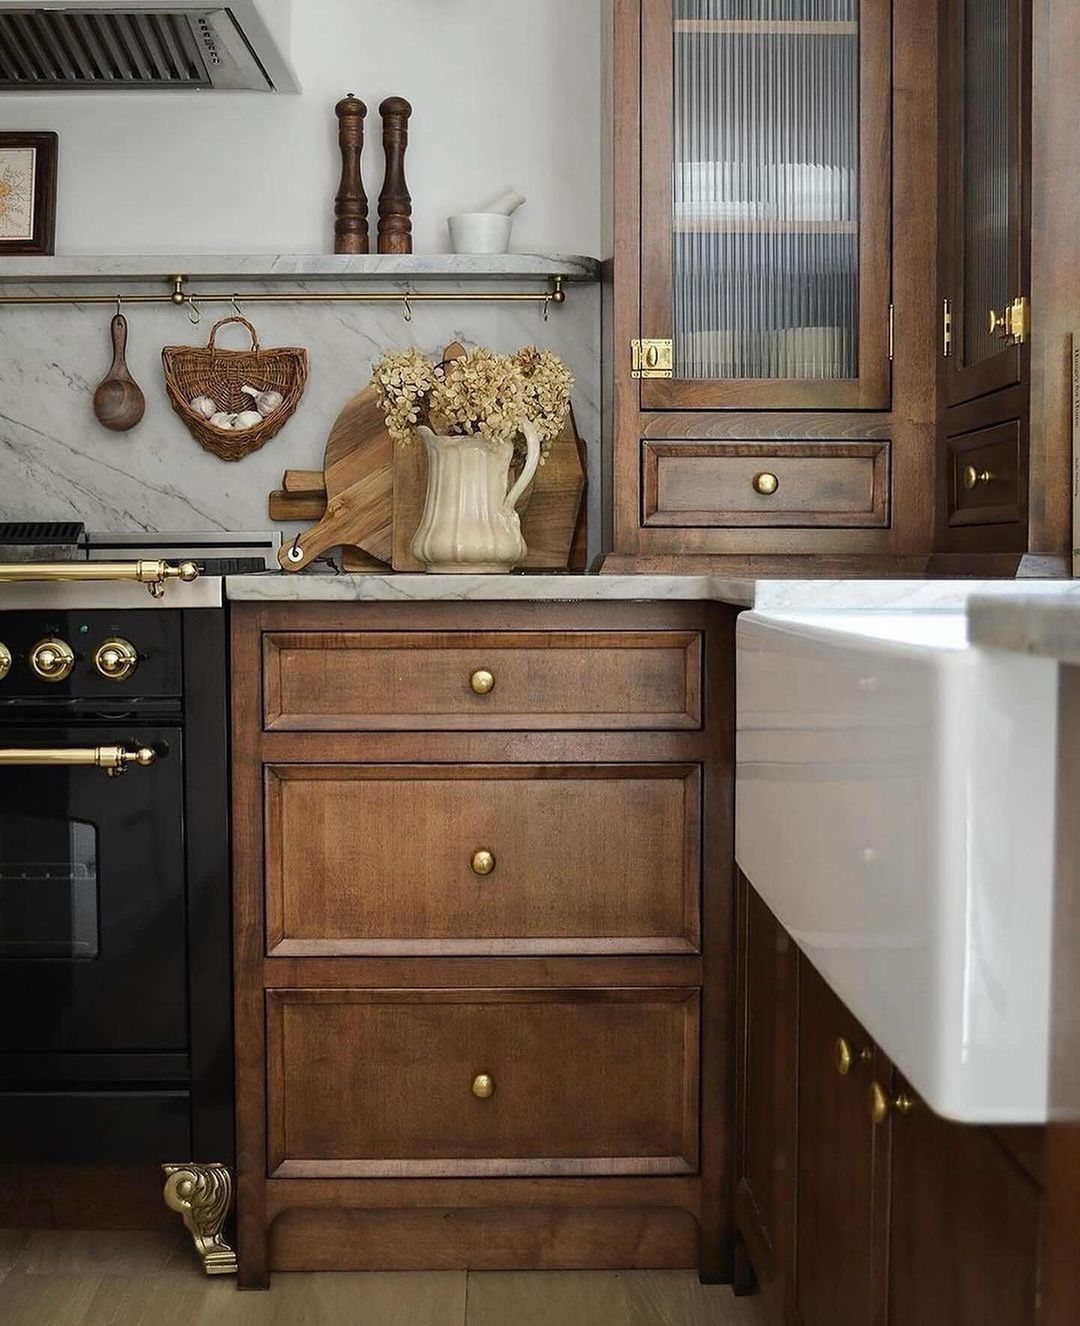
[(67, 1278)]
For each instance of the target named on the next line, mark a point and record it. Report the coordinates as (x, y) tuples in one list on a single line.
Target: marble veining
[(57, 462)]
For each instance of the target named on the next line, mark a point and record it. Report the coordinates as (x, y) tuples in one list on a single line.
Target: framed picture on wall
[(27, 193)]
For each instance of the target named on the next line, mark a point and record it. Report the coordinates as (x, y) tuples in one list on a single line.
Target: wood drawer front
[(819, 484), (377, 859), (984, 476), (379, 680), (379, 1083)]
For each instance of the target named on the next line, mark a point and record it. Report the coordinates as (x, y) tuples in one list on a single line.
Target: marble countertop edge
[(1037, 626)]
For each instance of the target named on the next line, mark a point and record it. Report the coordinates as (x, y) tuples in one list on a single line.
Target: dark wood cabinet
[(855, 1204), (767, 1072), (839, 1156), (964, 1222)]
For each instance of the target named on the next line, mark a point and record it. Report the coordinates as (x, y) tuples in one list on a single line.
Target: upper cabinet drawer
[(779, 484), (386, 680), (984, 476), (455, 1083)]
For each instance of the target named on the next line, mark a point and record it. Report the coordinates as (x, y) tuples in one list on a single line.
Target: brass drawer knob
[(846, 1056), (880, 1104), (765, 483), (482, 681), (974, 477), (5, 661), (483, 1086), (483, 862), (52, 660)]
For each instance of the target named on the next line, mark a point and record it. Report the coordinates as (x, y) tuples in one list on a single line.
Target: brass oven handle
[(153, 574), (113, 759)]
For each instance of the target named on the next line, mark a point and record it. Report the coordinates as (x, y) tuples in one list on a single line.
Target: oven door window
[(48, 887)]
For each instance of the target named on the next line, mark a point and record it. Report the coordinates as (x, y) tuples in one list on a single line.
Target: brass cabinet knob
[(483, 1086), (482, 681), (483, 862), (974, 477), (846, 1056), (1000, 323), (116, 659), (52, 660), (5, 661), (880, 1103), (765, 483)]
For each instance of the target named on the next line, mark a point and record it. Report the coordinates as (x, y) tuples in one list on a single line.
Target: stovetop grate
[(41, 532)]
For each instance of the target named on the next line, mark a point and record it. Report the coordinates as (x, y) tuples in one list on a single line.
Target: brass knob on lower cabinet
[(846, 1056), (765, 483), (483, 862), (482, 681), (881, 1104), (483, 1086), (974, 477), (5, 661)]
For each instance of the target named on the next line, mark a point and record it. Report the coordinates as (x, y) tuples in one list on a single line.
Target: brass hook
[(545, 308), (236, 307), (406, 308), (118, 301), (194, 311)]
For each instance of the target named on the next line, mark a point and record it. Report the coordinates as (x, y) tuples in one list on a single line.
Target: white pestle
[(506, 204)]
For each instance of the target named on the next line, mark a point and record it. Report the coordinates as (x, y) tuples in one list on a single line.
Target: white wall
[(504, 92)]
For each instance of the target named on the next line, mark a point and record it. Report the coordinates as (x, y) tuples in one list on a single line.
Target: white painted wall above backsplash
[(504, 92)]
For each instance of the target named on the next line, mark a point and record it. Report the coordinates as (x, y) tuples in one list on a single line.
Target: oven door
[(92, 911)]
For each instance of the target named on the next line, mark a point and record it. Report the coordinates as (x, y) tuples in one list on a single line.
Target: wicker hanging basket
[(193, 370)]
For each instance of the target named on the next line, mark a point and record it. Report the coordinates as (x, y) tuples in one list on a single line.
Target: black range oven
[(115, 1033)]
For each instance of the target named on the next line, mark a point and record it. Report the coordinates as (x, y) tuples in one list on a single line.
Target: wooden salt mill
[(395, 205), (351, 203)]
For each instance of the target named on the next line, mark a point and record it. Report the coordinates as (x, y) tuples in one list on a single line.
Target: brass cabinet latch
[(946, 329), (652, 359), (1013, 323)]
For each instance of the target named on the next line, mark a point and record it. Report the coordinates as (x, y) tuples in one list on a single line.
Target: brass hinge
[(891, 340), (1013, 323), (652, 359), (946, 329)]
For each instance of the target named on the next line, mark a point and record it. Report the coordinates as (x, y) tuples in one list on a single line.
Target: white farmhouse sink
[(895, 810)]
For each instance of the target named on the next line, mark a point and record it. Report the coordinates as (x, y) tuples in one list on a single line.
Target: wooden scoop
[(118, 402)]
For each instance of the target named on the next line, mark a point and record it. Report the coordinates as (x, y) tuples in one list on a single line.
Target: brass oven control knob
[(482, 681), (52, 660), (483, 1086), (116, 659), (5, 661)]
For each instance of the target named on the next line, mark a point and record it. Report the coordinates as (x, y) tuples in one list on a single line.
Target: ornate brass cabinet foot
[(203, 1195)]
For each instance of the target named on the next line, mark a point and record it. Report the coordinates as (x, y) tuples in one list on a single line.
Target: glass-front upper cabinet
[(765, 204), (986, 265)]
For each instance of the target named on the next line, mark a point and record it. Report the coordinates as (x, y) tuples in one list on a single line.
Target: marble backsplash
[(57, 462)]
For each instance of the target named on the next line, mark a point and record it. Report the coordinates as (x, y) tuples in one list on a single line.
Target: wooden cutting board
[(358, 470)]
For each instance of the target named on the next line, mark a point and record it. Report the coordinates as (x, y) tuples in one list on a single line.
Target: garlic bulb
[(247, 419), (223, 420), (266, 402), (205, 406)]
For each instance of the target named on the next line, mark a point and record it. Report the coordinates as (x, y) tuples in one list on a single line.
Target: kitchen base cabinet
[(855, 1204), (964, 1229), (484, 920)]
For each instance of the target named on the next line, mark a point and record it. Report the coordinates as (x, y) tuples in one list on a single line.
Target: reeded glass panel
[(766, 189), (986, 174), (48, 888)]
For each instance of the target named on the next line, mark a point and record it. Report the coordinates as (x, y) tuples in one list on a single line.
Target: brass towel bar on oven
[(153, 574)]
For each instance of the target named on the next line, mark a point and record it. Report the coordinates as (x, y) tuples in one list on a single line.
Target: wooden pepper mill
[(351, 203), (395, 204)]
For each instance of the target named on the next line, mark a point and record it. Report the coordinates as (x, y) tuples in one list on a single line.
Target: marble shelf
[(298, 267)]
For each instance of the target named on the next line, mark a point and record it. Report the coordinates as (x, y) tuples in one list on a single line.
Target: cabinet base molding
[(493, 1238)]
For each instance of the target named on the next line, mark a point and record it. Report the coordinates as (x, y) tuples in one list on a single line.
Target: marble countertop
[(764, 595), (1042, 627)]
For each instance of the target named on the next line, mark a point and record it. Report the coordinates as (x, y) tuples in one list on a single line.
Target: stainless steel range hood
[(167, 45)]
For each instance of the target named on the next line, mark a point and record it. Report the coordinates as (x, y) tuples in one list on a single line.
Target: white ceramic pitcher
[(470, 523)]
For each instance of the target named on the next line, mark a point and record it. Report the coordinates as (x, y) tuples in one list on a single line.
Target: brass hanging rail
[(184, 298)]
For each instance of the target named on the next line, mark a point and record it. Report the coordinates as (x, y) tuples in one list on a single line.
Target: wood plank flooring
[(100, 1278)]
